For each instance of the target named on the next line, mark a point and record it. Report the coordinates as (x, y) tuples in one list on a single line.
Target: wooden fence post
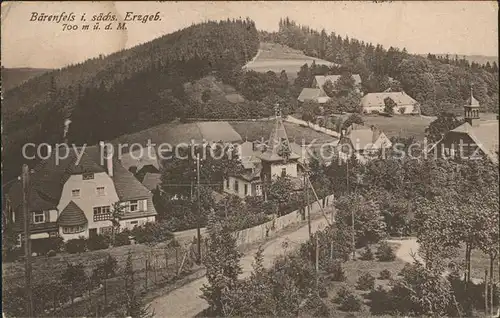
[(105, 294), (486, 291), (146, 276)]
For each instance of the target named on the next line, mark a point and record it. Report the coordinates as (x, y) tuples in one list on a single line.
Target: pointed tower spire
[(278, 146)]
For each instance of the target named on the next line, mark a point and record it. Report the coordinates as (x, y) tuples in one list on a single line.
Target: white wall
[(131, 223), (241, 187), (88, 198), (291, 169), (409, 109)]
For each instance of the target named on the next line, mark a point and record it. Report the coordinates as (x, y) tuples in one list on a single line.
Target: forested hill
[(125, 91), (438, 83)]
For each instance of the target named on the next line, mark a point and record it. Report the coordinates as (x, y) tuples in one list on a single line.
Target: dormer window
[(38, 217), (75, 193), (134, 205), (88, 176)]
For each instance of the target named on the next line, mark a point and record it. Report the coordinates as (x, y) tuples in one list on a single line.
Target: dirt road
[(185, 301)]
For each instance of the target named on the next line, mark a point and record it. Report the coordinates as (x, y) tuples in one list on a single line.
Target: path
[(253, 60), (185, 301)]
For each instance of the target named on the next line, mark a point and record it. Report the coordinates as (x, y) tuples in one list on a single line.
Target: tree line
[(438, 84)]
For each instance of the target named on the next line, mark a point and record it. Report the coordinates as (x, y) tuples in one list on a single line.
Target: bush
[(334, 268), (122, 239), (381, 302), (367, 254), (366, 282), (348, 300), (43, 246), (385, 274), (78, 245), (402, 110), (51, 253), (153, 232), (98, 242), (385, 252)]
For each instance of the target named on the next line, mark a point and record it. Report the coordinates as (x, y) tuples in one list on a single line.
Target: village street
[(185, 301)]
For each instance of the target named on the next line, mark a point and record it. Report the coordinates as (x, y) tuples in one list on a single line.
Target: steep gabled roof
[(278, 141), (377, 99), (485, 136), (309, 94), (72, 215), (50, 175)]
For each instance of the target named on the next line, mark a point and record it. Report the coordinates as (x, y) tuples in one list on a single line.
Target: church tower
[(471, 111), (278, 158)]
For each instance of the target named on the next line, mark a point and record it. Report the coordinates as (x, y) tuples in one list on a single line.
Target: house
[(313, 94), (73, 198), (363, 142), (264, 162), (477, 137), (320, 80), (375, 102)]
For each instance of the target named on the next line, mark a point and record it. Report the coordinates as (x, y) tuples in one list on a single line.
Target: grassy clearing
[(255, 130), (400, 125), (277, 57), (355, 269)]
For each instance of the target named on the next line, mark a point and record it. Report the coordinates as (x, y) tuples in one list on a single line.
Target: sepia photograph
[(178, 159)]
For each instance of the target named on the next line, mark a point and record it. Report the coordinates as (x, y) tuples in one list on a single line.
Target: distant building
[(73, 199), (363, 142), (313, 94), (264, 162), (477, 137), (375, 102)]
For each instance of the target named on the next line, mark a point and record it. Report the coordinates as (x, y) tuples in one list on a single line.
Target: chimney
[(107, 155)]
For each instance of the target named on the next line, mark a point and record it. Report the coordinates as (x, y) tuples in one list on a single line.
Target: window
[(38, 217), (283, 172), (100, 191), (227, 183), (236, 185), (246, 189), (75, 193), (88, 176), (134, 206), (102, 213), (106, 230), (73, 229)]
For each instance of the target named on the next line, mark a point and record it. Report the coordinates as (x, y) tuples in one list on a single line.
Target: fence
[(155, 267)]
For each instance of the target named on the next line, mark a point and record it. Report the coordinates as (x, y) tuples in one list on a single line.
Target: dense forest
[(137, 88), (123, 92), (438, 83)]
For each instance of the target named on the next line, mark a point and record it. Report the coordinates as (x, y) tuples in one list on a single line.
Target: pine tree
[(222, 262)]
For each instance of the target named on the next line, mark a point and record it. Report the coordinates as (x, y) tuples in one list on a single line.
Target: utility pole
[(352, 214), (198, 232), (27, 248), (308, 209)]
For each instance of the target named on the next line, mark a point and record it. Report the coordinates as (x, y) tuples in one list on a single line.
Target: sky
[(455, 27)]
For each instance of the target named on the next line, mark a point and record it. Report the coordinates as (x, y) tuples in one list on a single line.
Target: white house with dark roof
[(375, 102), (264, 162), (75, 198)]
